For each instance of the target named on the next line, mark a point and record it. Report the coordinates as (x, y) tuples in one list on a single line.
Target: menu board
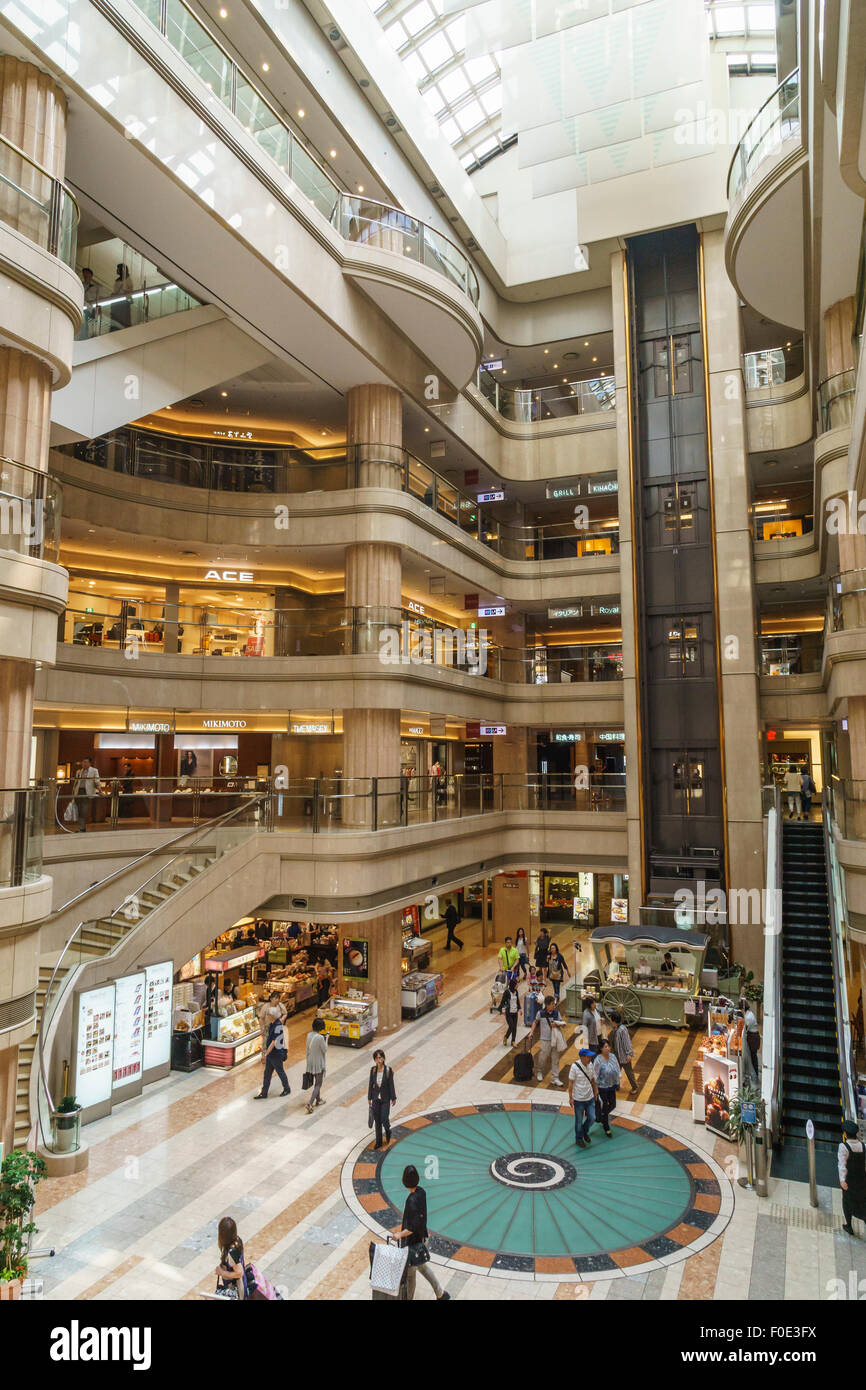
[(157, 1014), (94, 1045), (128, 1030)]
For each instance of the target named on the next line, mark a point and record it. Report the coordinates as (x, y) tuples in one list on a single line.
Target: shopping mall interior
[(432, 621)]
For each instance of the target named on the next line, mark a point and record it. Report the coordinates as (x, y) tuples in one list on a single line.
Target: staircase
[(94, 939), (811, 1086)]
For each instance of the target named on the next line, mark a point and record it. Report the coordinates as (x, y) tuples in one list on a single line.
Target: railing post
[(315, 805), (19, 838), (114, 808), (374, 809), (434, 792), (404, 799), (459, 781), (502, 791), (163, 13), (54, 218)]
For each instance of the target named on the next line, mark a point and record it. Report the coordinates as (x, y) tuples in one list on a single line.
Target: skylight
[(465, 95)]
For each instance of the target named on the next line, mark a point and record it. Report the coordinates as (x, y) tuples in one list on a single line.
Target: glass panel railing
[(260, 120), (847, 600), (836, 400), (196, 46), (130, 802), (529, 405), (773, 366), (193, 463), (122, 288), (38, 206), (30, 511), (776, 121), (368, 222), (312, 180), (796, 654), (22, 826)]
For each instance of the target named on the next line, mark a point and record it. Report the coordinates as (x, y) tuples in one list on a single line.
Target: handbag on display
[(306, 1081)]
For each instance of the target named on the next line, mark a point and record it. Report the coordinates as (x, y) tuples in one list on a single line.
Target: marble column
[(374, 433), (385, 935)]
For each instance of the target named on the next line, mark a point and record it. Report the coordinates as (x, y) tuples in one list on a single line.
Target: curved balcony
[(562, 400), (25, 892), (360, 221), (836, 400), (764, 232), (33, 586), (36, 204), (293, 472)]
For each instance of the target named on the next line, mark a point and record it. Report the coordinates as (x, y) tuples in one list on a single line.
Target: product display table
[(515, 1197)]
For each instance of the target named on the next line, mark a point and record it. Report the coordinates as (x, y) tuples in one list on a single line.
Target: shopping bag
[(388, 1267), (70, 815), (260, 1289), (559, 1042), (306, 1081)]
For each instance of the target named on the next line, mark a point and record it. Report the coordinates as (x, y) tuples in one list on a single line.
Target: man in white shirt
[(87, 786), (792, 791), (582, 1093)]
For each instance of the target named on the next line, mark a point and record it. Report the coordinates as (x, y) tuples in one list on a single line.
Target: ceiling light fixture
[(224, 14), (301, 112), (332, 154), (223, 394), (360, 188), (266, 67)]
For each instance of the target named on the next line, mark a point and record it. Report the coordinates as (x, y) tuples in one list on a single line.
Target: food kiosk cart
[(631, 982)]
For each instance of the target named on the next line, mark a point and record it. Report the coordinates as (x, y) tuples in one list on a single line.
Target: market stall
[(417, 950), (351, 1019), (419, 992), (234, 1032), (716, 1079), (648, 974)]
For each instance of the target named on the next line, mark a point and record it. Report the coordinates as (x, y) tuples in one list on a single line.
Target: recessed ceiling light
[(595, 359), (360, 188), (586, 342), (223, 393), (426, 429), (332, 154), (224, 14), (266, 67), (546, 351), (555, 365), (301, 112)]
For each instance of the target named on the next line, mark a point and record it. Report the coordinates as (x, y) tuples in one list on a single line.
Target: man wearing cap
[(852, 1175), (582, 1093)]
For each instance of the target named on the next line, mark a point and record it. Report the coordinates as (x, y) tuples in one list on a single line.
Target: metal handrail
[(771, 1051), (475, 292), (52, 210), (200, 832), (537, 395), (793, 76), (836, 900)]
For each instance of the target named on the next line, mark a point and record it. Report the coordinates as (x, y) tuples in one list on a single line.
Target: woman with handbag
[(231, 1270), (381, 1096), (414, 1231), (556, 969)]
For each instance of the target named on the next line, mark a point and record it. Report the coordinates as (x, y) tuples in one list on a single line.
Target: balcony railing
[(140, 292), (30, 511), (849, 806), (320, 804), (773, 366), (358, 219), (531, 404), (37, 205), (776, 121), (22, 825), (140, 628), (848, 600), (253, 469), (794, 655), (836, 400)]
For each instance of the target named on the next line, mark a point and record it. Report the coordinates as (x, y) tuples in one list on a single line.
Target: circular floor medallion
[(510, 1194)]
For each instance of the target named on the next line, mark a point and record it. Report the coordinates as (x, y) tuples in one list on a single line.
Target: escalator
[(811, 1080)]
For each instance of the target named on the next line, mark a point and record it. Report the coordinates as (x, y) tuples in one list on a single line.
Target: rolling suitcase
[(523, 1065)]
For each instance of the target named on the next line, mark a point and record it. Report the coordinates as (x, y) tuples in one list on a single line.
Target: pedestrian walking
[(752, 1039), (582, 1093), (557, 970), (542, 948), (624, 1051), (608, 1075), (381, 1095), (522, 952), (414, 1232), (451, 920), (852, 1175), (85, 788), (548, 1027), (793, 793), (317, 1055), (276, 1051), (507, 956), (509, 1004), (591, 1023), (807, 791), (231, 1270)]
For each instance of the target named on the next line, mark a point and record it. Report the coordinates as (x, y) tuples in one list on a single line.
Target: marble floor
[(141, 1222)]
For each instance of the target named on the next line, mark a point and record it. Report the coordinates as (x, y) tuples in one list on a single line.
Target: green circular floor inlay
[(625, 1190)]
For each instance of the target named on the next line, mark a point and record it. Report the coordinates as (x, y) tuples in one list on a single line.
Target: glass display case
[(350, 1019), (417, 951), (238, 1037), (419, 992)]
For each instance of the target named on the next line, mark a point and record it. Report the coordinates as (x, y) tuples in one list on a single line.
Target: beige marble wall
[(386, 948)]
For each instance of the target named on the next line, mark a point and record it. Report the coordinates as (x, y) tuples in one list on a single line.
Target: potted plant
[(736, 1126), (19, 1174), (66, 1124)]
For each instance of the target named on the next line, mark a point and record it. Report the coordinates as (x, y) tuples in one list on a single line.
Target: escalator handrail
[(835, 901), (771, 1052)]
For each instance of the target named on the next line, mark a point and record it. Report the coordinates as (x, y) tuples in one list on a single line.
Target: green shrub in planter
[(19, 1174)]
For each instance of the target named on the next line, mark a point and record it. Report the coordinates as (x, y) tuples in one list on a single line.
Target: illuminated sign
[(311, 728), (233, 434), (415, 729), (224, 723), (566, 736), (148, 726), (553, 492), (606, 610), (231, 576), (601, 486), (491, 497), (498, 612), (415, 607), (490, 730), (494, 366), (576, 611), (612, 736)]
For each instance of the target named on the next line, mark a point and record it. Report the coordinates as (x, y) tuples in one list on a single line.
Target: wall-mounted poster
[(157, 1014), (619, 909), (128, 1030), (356, 958), (94, 1045)]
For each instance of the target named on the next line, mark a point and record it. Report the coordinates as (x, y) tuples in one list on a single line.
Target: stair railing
[(129, 913), (771, 1049), (838, 919)]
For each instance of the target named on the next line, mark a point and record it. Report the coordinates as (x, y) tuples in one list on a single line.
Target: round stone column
[(385, 935), (374, 433)]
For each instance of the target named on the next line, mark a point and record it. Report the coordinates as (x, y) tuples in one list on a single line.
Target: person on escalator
[(793, 793)]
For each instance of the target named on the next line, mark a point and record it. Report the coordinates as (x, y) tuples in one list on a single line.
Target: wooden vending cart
[(630, 979)]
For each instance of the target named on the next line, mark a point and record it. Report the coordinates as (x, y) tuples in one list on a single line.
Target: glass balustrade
[(38, 206), (776, 121), (30, 511), (794, 654), (122, 289), (23, 812), (251, 469), (530, 405), (848, 600), (773, 366), (836, 400)]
